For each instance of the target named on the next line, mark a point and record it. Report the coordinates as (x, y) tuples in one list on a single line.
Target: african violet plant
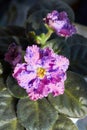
[(42, 71)]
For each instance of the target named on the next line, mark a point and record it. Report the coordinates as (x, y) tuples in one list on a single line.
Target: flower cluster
[(42, 73), (60, 23), (14, 54)]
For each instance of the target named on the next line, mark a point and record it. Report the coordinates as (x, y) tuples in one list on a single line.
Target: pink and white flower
[(43, 72)]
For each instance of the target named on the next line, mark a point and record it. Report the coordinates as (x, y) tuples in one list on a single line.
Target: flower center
[(41, 72)]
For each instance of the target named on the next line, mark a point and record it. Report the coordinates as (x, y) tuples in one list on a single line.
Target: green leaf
[(76, 39), (35, 21), (74, 100), (40, 9), (13, 124), (14, 88), (36, 115), (77, 46), (78, 59), (64, 123), (8, 120)]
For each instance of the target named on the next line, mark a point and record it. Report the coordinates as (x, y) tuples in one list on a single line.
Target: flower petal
[(32, 55)]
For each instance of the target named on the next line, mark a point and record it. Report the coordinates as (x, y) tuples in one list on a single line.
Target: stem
[(41, 39), (48, 34), (46, 37)]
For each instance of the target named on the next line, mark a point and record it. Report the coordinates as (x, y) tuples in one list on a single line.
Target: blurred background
[(13, 12)]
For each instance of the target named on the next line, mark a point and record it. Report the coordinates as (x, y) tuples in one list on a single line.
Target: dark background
[(13, 12)]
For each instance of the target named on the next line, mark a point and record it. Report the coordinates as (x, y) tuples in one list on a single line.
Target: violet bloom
[(60, 23), (42, 73), (14, 54)]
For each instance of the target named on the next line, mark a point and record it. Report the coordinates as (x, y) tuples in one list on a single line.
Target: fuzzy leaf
[(74, 100), (77, 46), (8, 120), (76, 39), (36, 115), (78, 59)]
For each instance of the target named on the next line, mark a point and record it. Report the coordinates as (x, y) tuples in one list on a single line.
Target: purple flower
[(14, 54), (42, 73), (60, 23)]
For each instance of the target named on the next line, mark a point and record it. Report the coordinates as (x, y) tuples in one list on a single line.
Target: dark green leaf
[(77, 45), (77, 39), (40, 9), (14, 88), (64, 123), (78, 58), (35, 21), (8, 120), (74, 101), (36, 115)]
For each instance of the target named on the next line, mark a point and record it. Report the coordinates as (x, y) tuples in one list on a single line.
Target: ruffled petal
[(32, 55), (42, 74), (60, 23)]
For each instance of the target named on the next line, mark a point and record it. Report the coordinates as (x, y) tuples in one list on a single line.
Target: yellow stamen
[(41, 72)]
